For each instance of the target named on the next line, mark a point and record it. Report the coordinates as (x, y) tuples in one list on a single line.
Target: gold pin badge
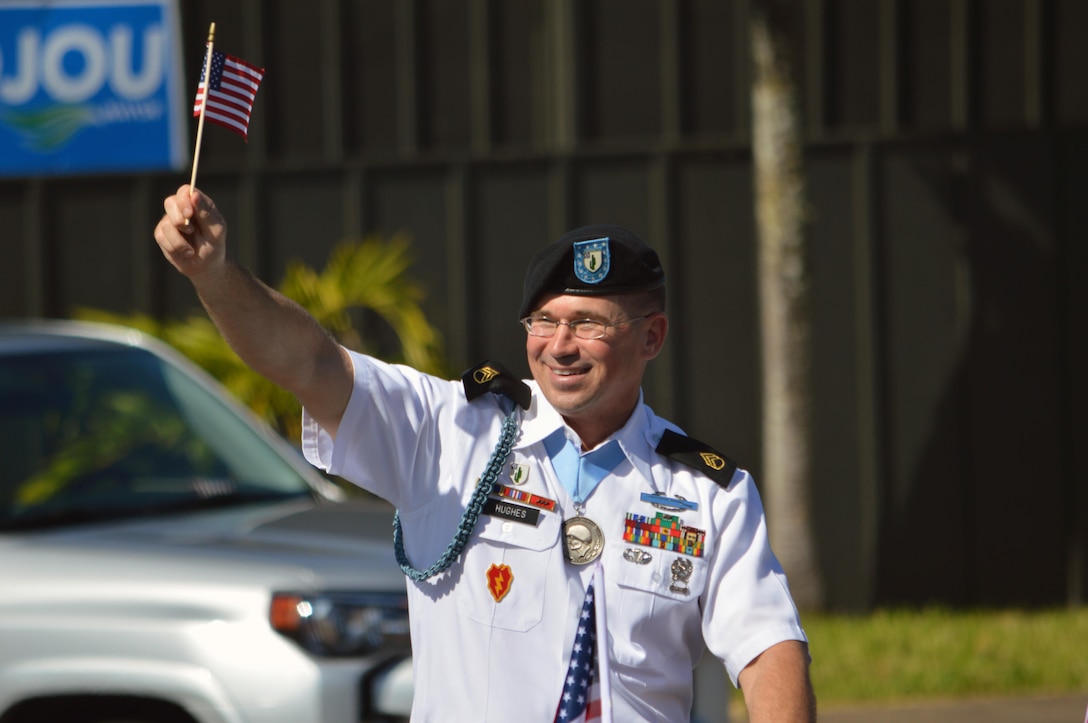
[(484, 374), (712, 460)]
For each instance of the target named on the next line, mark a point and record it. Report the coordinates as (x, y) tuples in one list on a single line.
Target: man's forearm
[(271, 333), (777, 686), (278, 339)]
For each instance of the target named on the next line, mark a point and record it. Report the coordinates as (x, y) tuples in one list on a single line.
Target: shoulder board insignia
[(491, 376), (696, 454)]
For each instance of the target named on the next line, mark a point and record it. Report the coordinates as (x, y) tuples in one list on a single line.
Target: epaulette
[(696, 454), (491, 376)]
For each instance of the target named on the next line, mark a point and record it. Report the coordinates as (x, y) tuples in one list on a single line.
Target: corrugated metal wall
[(947, 158)]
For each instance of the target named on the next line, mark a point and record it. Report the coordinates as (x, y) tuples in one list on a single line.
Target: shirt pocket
[(656, 601), (522, 557)]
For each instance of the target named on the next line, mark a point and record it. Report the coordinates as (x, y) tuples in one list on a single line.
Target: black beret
[(597, 260)]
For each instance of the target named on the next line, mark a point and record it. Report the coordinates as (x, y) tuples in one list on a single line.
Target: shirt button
[(507, 526), (657, 577)]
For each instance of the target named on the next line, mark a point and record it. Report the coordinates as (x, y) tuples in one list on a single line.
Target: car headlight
[(341, 623)]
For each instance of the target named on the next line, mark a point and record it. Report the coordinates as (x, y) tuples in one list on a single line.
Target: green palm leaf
[(363, 291)]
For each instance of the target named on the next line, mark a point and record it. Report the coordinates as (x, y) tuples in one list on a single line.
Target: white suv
[(164, 558)]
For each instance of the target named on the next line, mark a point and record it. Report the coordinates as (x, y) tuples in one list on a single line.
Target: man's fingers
[(179, 208), (204, 210), (192, 212), (191, 232), (173, 212), (171, 239)]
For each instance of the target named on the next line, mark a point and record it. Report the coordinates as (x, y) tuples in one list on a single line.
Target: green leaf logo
[(48, 129)]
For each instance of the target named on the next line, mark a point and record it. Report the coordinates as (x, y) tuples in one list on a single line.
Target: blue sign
[(90, 87)]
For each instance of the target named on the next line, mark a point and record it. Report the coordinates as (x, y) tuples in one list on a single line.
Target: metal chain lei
[(468, 520)]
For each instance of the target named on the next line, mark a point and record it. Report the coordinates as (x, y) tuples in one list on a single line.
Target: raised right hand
[(192, 234)]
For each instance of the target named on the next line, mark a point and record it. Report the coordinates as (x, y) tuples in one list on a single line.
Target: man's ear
[(656, 329)]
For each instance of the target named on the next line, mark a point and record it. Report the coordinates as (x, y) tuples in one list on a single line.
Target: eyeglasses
[(581, 328)]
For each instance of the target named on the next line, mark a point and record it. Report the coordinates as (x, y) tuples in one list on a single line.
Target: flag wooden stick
[(203, 105)]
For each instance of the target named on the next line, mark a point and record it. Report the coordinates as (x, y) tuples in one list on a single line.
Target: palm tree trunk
[(784, 301)]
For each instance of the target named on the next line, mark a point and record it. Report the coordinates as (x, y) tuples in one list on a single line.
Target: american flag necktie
[(585, 696)]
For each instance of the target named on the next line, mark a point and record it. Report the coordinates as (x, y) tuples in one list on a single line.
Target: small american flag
[(586, 697), (231, 92)]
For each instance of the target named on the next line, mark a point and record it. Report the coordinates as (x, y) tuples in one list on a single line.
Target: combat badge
[(669, 504)]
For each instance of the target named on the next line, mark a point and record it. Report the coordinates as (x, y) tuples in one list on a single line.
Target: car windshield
[(100, 434)]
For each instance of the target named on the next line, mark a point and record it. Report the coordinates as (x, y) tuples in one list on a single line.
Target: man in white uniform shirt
[(542, 487)]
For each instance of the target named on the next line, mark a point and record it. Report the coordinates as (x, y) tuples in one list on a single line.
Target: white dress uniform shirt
[(416, 441)]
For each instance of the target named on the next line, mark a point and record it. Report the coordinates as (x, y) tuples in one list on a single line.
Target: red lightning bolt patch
[(499, 580)]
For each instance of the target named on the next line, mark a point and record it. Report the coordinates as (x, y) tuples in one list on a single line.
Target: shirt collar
[(638, 437)]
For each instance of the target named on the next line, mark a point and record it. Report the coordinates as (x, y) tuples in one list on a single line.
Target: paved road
[(1063, 709)]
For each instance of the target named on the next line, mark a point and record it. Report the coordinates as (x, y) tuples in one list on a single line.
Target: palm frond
[(371, 275)]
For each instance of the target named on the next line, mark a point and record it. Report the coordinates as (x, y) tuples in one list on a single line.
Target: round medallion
[(585, 541)]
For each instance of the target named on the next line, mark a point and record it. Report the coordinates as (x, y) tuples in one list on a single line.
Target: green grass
[(895, 656), (902, 655)]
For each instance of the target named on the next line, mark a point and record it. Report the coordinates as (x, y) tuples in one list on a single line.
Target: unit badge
[(519, 473), (499, 579), (592, 260)]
